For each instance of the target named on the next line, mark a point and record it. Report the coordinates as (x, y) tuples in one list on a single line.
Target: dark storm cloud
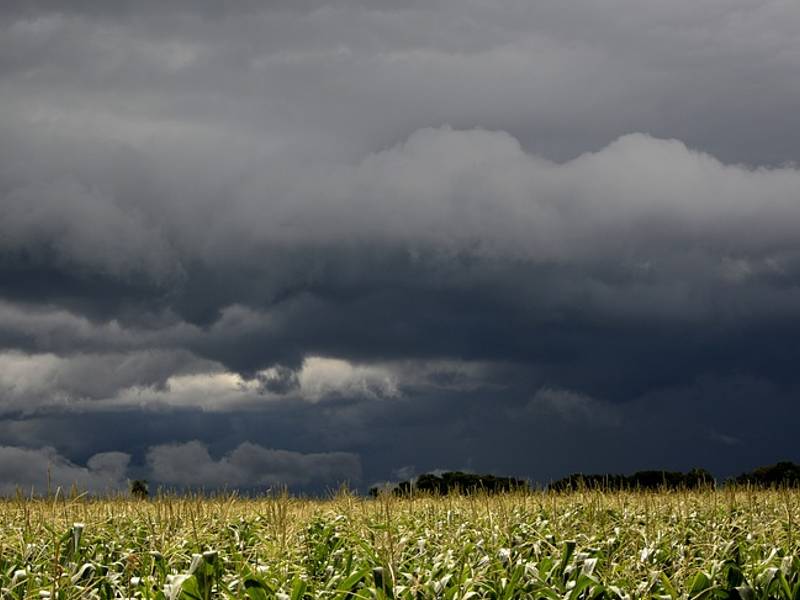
[(368, 223), (631, 240), (540, 435)]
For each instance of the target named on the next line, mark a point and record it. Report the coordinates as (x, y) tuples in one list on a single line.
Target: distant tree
[(784, 473), (699, 478), (139, 489), (461, 483), (641, 480)]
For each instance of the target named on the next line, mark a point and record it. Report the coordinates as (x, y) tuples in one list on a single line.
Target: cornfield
[(729, 543)]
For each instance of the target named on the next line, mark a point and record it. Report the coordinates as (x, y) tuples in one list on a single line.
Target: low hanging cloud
[(160, 380), (31, 470), (35, 383), (249, 465), (322, 377)]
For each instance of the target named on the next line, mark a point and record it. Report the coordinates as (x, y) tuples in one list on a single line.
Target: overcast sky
[(299, 242)]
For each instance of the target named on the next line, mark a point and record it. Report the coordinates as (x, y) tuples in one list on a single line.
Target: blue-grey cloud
[(249, 466), (496, 224), (37, 471)]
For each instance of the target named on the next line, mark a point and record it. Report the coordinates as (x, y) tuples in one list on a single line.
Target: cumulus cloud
[(249, 465), (478, 192), (36, 384), (316, 380), (190, 464), (650, 213), (32, 470), (322, 377), (31, 383)]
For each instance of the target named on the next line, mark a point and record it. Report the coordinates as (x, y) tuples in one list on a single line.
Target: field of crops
[(723, 544)]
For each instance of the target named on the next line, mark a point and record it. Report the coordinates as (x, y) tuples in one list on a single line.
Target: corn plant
[(698, 545)]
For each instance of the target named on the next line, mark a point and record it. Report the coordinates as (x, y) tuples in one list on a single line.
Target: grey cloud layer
[(249, 465), (650, 206), (31, 470), (184, 465), (563, 79), (369, 223), (642, 229), (32, 383)]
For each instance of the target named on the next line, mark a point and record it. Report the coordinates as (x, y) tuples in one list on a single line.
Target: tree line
[(784, 473), (455, 482), (641, 480)]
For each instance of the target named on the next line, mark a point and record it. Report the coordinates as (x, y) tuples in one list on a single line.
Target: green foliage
[(729, 544), (781, 474), (139, 489), (458, 482), (641, 480)]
